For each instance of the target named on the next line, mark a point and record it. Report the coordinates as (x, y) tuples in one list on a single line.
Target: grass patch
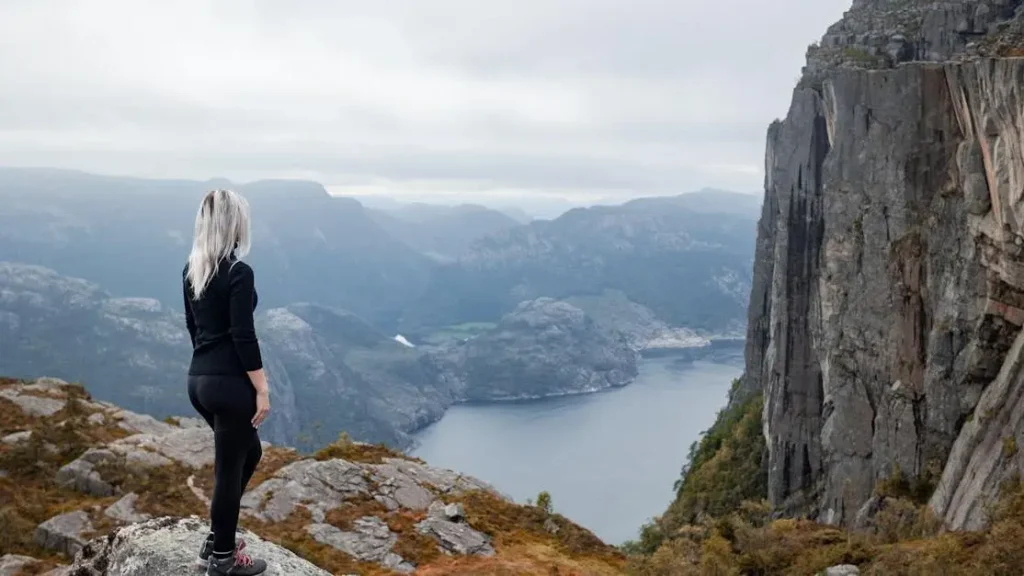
[(346, 449)]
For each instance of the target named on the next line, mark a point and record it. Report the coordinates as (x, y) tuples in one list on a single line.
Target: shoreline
[(722, 348)]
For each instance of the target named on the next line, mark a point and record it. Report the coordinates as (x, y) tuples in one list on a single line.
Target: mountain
[(110, 492), (677, 256), (542, 348), (330, 370), (335, 372), (132, 237), (71, 328), (883, 389), (441, 232)]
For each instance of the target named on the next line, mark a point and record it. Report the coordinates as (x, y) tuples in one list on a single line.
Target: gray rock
[(369, 541), (456, 537), (17, 437), (844, 570), (439, 480), (33, 405), (323, 486), (189, 422), (97, 419), (317, 486), (81, 474), (64, 533), (168, 546), (141, 423), (401, 491), (46, 384), (454, 512), (124, 510), (12, 564), (192, 447)]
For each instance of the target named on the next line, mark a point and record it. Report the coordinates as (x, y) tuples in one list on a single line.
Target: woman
[(226, 382)]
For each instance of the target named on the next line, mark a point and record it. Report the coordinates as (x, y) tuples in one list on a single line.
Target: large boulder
[(447, 525), (168, 546), (64, 533)]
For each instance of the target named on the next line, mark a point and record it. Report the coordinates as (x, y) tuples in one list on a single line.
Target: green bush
[(544, 502)]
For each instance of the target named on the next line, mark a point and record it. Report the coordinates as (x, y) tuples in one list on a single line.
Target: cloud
[(583, 97)]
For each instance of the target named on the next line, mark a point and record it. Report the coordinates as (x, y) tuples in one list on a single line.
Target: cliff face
[(888, 288)]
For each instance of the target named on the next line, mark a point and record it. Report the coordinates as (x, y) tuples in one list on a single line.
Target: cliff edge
[(888, 295), (109, 491)]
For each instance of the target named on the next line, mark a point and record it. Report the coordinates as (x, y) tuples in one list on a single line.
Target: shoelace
[(242, 559)]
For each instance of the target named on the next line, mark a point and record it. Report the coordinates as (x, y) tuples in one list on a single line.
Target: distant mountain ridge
[(442, 232), (665, 253)]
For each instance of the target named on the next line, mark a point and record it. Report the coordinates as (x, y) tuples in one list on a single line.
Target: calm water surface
[(609, 460)]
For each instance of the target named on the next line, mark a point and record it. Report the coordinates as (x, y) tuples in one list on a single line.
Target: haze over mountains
[(91, 290)]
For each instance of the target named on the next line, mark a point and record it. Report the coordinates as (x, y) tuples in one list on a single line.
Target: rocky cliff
[(90, 489), (888, 292)]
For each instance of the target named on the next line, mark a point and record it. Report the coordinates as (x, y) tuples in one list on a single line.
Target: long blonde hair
[(222, 231)]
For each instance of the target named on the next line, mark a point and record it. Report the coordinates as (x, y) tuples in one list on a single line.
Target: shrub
[(544, 502)]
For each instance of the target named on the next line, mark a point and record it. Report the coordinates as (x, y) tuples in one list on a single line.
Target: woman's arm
[(243, 333), (243, 330), (190, 321)]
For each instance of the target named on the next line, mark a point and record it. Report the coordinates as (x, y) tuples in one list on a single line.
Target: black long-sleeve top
[(220, 323)]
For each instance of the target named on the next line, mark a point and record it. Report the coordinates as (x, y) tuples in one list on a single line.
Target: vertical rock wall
[(888, 284)]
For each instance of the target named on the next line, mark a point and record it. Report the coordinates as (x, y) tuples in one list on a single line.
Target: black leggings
[(228, 403)]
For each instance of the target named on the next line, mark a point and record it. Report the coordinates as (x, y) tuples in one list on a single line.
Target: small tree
[(544, 501)]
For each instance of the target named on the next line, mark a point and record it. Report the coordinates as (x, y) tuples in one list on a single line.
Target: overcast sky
[(488, 99)]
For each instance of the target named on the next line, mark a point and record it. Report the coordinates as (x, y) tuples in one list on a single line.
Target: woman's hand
[(262, 408)]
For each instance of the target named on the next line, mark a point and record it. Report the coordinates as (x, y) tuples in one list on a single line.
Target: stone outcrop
[(168, 546), (64, 533), (369, 541), (889, 280), (447, 525)]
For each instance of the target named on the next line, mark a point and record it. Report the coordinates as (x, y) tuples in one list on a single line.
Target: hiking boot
[(240, 564), (206, 550)]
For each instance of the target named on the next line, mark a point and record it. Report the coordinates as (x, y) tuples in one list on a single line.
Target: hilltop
[(88, 488)]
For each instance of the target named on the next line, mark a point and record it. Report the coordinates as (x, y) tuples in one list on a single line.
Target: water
[(609, 460)]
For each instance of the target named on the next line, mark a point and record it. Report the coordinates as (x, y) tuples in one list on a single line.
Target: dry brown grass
[(345, 449), (515, 526)]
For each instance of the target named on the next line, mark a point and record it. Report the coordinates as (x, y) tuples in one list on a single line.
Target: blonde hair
[(222, 231)]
